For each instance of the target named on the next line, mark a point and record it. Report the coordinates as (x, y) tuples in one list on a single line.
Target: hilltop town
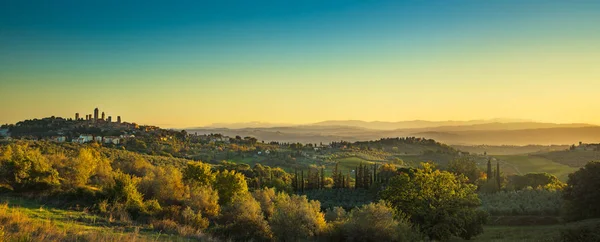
[(94, 127)]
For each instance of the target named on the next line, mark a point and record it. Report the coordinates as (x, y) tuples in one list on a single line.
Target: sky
[(193, 63)]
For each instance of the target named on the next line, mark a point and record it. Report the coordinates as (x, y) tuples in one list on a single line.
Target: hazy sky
[(182, 64)]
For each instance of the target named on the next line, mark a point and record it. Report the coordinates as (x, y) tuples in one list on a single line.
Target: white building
[(83, 139), (112, 139), (98, 139)]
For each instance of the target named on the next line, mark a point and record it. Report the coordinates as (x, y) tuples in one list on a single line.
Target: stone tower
[(96, 114)]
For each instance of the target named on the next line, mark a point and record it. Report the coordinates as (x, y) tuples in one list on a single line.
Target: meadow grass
[(523, 164), (527, 233), (31, 220)]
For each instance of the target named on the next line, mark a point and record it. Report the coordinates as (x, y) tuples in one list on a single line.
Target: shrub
[(205, 200), (26, 169), (199, 173), (229, 184), (373, 222), (124, 192), (335, 214), (242, 220), (166, 226), (295, 218), (266, 198), (163, 184)]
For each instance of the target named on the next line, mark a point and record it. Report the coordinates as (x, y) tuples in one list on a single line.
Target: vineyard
[(524, 202)]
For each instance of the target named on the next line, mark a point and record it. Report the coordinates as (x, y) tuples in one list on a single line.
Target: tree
[(198, 172), (377, 222), (163, 184), (441, 203), (489, 170), (242, 220), (229, 184), (24, 168), (295, 218), (582, 193), (387, 171), (466, 167), (497, 176), (205, 200), (266, 198), (124, 192)]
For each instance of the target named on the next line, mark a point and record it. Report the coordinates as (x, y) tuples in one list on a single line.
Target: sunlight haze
[(302, 63)]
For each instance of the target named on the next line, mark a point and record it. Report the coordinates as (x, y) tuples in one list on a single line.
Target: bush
[(163, 184), (296, 218), (242, 220), (582, 194), (26, 169), (266, 198), (124, 192), (229, 184), (335, 214), (376, 222), (205, 200)]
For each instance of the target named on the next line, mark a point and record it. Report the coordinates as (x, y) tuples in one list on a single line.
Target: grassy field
[(573, 158), (523, 164), (67, 224), (526, 233)]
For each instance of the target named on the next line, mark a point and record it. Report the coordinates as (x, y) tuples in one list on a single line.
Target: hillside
[(456, 135)]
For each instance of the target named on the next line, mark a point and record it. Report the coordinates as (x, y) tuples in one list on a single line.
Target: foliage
[(439, 202), (535, 180), (465, 166), (199, 172), (586, 232), (164, 184), (266, 198), (229, 184), (335, 214), (346, 198), (204, 199), (582, 194), (124, 192), (377, 222), (242, 220), (24, 168), (295, 217), (523, 202)]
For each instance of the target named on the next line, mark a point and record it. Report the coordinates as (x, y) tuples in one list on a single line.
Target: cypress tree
[(489, 170), (498, 179), (302, 182), (309, 180), (348, 180), (356, 184), (335, 176), (366, 176), (295, 180), (322, 178)]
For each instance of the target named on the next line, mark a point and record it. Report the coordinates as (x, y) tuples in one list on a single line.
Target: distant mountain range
[(474, 132)]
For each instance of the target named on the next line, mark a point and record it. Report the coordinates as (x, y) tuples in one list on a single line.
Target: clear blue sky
[(188, 63)]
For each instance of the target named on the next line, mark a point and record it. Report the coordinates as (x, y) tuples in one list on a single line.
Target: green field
[(523, 164), (80, 221), (527, 233)]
